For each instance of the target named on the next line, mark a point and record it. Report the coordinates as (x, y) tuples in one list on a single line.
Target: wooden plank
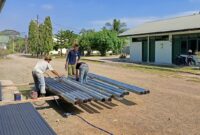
[(18, 85), (6, 102)]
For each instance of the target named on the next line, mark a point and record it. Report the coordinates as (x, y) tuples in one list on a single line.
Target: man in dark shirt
[(72, 58), (82, 70)]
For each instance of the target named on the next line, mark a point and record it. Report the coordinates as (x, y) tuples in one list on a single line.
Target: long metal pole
[(107, 86), (68, 89), (125, 86), (89, 91)]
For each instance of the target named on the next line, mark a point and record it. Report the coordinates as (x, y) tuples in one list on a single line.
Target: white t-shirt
[(42, 66)]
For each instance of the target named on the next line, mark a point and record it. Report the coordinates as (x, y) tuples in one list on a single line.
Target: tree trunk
[(89, 52), (61, 52), (103, 52)]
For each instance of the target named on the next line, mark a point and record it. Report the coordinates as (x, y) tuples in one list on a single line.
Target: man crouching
[(82, 70)]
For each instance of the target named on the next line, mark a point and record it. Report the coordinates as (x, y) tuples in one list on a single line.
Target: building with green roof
[(162, 41)]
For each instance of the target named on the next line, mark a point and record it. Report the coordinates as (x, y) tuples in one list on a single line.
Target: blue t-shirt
[(71, 57)]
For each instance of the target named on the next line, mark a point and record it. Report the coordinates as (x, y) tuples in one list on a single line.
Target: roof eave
[(154, 33)]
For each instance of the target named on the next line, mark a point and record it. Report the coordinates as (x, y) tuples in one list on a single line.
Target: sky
[(91, 14)]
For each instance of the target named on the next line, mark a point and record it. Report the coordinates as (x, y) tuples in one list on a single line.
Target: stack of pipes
[(67, 92), (121, 85), (97, 88)]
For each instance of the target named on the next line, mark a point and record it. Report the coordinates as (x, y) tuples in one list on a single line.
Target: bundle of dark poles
[(98, 88)]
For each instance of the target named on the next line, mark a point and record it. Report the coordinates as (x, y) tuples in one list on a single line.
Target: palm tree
[(116, 25)]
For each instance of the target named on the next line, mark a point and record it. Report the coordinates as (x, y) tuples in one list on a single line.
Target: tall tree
[(65, 39), (41, 40), (86, 41), (61, 41), (116, 26), (48, 35), (104, 41), (33, 37)]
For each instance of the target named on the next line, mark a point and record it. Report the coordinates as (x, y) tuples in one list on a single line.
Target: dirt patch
[(172, 107)]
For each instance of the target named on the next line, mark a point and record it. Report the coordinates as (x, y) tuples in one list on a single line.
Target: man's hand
[(47, 74), (66, 66)]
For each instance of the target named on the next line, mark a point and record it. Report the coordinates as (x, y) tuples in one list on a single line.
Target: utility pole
[(26, 44), (13, 44), (37, 20)]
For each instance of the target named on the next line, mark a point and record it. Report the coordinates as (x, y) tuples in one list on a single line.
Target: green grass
[(154, 68), (194, 80)]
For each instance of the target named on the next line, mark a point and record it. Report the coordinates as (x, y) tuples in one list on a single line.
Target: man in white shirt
[(38, 74)]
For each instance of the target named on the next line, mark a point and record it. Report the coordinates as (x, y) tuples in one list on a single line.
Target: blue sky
[(91, 14)]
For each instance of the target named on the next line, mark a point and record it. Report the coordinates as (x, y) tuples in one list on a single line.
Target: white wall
[(54, 52), (136, 52), (163, 52)]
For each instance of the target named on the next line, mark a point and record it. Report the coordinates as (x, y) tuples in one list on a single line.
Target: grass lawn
[(156, 68)]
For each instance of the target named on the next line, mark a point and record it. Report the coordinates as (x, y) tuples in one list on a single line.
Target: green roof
[(183, 23)]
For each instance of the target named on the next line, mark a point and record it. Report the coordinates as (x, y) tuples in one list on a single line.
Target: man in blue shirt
[(72, 58)]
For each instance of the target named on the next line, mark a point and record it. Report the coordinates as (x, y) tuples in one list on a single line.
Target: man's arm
[(55, 73), (79, 56), (67, 59)]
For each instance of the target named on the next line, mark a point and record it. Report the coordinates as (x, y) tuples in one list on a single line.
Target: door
[(136, 52), (144, 51), (192, 45), (163, 52)]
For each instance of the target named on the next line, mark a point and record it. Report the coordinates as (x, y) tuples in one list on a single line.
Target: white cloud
[(130, 21), (185, 13), (47, 7), (135, 21), (193, 1)]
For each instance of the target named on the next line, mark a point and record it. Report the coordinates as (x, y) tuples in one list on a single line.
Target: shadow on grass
[(63, 107), (28, 56), (126, 102), (41, 57)]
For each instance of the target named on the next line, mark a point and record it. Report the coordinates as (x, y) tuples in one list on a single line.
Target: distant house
[(6, 36), (162, 41), (10, 33), (4, 40)]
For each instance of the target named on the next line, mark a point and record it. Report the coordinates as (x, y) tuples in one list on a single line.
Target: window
[(162, 38), (184, 47)]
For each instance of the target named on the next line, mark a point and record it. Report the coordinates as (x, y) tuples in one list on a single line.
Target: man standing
[(38, 75), (72, 58)]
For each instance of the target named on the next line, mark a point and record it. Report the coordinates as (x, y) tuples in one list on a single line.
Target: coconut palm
[(116, 25)]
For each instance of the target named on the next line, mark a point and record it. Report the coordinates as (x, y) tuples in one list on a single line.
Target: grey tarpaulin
[(22, 119)]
